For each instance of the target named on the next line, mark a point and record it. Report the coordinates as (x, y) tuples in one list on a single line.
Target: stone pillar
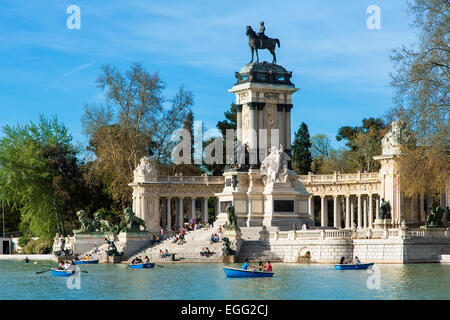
[(323, 211), (253, 140), (370, 211), (181, 217), (359, 212), (336, 223), (352, 214), (348, 222), (311, 207), (239, 122), (366, 218), (377, 206), (193, 208), (281, 126), (287, 116), (262, 149), (205, 210), (421, 209), (169, 215)]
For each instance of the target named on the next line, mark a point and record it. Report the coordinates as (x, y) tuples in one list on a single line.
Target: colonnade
[(174, 213), (349, 211)]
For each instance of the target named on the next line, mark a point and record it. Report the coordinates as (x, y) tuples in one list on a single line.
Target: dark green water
[(207, 281)]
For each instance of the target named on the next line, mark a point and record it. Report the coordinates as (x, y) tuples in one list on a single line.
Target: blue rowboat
[(241, 273), (142, 266), (351, 266), (62, 273), (85, 261)]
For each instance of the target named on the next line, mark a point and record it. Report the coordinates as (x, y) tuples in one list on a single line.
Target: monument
[(261, 185)]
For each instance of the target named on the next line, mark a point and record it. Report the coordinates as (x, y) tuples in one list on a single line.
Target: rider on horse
[(261, 35)]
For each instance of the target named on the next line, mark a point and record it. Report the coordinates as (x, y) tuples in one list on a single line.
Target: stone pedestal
[(113, 259), (133, 242), (83, 242), (382, 223)]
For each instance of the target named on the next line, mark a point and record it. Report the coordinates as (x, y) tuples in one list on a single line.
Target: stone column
[(193, 208), (239, 122), (253, 140), (365, 213), (352, 214), (181, 217), (359, 212), (323, 211), (336, 223), (205, 210), (287, 116), (377, 206), (281, 126), (261, 147), (370, 211), (421, 209), (169, 215), (311, 207), (348, 222)]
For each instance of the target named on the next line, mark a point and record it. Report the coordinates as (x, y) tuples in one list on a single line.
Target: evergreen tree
[(301, 150)]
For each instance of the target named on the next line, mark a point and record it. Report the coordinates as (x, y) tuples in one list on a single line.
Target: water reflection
[(207, 281)]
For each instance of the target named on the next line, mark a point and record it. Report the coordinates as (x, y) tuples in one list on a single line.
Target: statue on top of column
[(261, 41), (145, 171)]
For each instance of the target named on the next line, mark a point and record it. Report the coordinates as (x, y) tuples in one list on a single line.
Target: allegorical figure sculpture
[(145, 171), (275, 166), (384, 211), (434, 218), (226, 248), (100, 224), (133, 223), (261, 41)]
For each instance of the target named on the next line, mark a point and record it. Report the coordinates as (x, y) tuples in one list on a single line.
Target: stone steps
[(257, 251)]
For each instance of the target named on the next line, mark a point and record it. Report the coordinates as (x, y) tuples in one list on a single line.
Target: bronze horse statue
[(255, 43)]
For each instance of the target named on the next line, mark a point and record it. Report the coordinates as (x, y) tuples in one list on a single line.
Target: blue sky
[(341, 67)]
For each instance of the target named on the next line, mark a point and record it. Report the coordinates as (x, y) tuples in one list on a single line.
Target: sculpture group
[(88, 225), (275, 166)]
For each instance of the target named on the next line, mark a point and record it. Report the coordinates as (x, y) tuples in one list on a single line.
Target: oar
[(159, 266), (43, 271)]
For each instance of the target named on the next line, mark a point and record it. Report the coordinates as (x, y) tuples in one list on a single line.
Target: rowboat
[(62, 273), (142, 266), (85, 261), (241, 273), (351, 266)]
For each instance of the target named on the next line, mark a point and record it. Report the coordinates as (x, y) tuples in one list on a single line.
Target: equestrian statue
[(261, 41)]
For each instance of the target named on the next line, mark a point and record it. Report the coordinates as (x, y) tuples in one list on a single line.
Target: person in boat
[(342, 261), (260, 266), (146, 259), (268, 267), (87, 258), (67, 265), (356, 260), (27, 260), (76, 258), (246, 265)]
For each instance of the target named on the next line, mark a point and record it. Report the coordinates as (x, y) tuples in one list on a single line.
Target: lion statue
[(232, 219), (101, 224), (133, 223), (87, 224), (434, 218)]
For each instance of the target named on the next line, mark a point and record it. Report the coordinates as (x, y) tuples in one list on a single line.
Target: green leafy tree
[(40, 177), (301, 150)]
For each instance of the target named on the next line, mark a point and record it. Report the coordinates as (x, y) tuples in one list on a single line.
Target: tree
[(40, 176), (301, 150), (421, 84), (136, 121), (230, 122)]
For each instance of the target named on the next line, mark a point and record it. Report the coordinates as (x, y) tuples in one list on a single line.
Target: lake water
[(207, 281)]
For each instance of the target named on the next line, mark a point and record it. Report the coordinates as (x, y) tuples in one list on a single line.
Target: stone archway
[(304, 255)]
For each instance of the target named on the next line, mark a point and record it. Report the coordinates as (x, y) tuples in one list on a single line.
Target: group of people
[(66, 265), (156, 239), (205, 252), (196, 224), (305, 226), (164, 254), (354, 261), (261, 266), (138, 260), (214, 238)]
